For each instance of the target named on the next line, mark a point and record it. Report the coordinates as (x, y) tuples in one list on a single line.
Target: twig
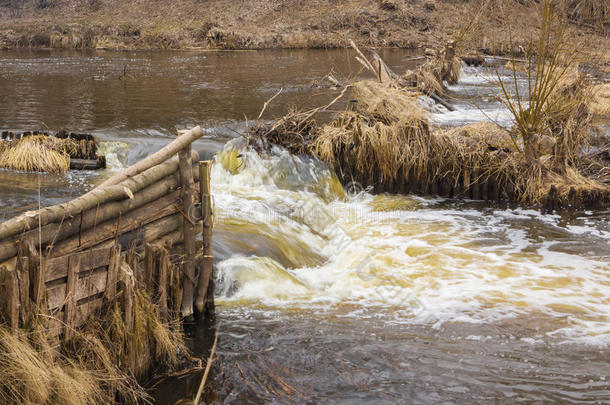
[(267, 103), (362, 58), (208, 366)]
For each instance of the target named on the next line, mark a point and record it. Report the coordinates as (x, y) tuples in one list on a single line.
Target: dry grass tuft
[(38, 154), (99, 364), (35, 373)]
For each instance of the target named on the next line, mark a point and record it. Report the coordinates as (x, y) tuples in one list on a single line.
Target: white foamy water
[(476, 98), (413, 259)]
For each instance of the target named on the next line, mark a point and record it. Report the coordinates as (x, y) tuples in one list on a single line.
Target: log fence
[(139, 227)]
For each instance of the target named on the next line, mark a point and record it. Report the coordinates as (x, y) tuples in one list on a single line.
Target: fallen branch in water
[(207, 367)]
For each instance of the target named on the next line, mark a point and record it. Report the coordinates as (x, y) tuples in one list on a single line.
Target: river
[(327, 296)]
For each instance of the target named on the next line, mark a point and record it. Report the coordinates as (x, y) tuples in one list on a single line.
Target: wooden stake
[(207, 271), (113, 271), (70, 307), (163, 261), (188, 201), (23, 273)]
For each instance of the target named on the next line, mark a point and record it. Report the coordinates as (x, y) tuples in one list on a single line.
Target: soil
[(258, 24)]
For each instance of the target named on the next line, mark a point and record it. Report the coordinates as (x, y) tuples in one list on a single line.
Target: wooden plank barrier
[(69, 259)]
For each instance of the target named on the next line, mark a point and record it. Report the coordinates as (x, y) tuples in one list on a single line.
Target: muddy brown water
[(326, 297)]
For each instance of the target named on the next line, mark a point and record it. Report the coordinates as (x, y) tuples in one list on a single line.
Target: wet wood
[(87, 164), (56, 268), (10, 297), (23, 274), (188, 229), (163, 263), (206, 264), (90, 218)]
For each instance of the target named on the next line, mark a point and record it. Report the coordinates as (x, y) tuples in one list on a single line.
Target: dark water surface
[(456, 302)]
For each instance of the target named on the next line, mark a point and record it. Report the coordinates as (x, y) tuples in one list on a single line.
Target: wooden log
[(151, 232), (93, 198), (70, 297), (114, 227), (206, 266), (87, 164), (188, 201), (90, 218), (466, 183), (475, 184), (182, 142), (113, 272)]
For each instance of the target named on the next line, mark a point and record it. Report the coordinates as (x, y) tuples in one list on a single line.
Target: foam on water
[(412, 258)]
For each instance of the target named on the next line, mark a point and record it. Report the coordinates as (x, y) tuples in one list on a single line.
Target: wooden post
[(466, 184), (23, 273), (10, 284), (188, 200), (163, 263), (149, 261), (70, 307), (206, 269), (113, 271)]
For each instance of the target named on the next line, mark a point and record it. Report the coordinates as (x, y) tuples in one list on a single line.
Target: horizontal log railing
[(68, 259)]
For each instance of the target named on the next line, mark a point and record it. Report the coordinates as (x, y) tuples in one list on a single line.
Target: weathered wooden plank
[(163, 263), (85, 287), (74, 264), (23, 273), (113, 272), (57, 267)]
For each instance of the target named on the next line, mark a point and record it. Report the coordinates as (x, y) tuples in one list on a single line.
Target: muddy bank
[(247, 24)]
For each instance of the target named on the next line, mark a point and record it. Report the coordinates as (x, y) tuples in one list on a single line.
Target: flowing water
[(328, 296)]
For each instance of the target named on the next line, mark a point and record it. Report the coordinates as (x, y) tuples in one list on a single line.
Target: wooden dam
[(137, 229)]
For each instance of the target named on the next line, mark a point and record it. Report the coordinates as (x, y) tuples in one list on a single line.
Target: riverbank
[(248, 24)]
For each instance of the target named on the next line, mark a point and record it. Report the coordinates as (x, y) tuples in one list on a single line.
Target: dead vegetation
[(248, 24), (100, 364), (42, 153), (384, 138)]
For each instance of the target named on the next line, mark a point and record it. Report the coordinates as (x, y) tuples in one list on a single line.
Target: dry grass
[(38, 154), (32, 372), (600, 100), (384, 140), (98, 365)]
